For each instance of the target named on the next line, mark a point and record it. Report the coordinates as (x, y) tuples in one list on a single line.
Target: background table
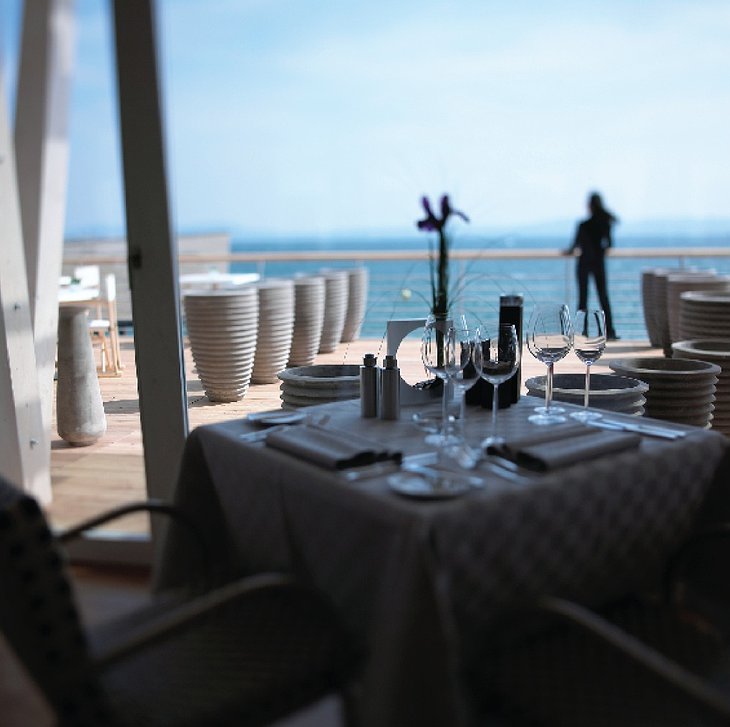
[(214, 280), (420, 583)]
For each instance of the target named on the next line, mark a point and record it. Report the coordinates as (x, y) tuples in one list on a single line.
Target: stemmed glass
[(433, 356), (463, 373), (496, 357), (589, 340), (549, 338)]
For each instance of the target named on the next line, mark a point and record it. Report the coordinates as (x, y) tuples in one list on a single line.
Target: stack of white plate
[(222, 327), (276, 325), (717, 351), (609, 392), (356, 303), (680, 390), (679, 283), (309, 385), (337, 285), (309, 294), (661, 305), (704, 314)]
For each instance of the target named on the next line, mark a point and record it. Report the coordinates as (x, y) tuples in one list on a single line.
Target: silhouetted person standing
[(592, 239)]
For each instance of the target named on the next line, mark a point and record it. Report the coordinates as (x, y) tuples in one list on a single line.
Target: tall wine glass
[(434, 358), (549, 338), (497, 357), (463, 373), (589, 340)]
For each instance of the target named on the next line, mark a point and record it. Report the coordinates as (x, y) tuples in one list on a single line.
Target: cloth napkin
[(562, 446), (328, 448)]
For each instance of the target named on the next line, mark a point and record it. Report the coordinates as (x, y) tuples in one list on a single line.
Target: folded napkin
[(562, 446), (328, 448)]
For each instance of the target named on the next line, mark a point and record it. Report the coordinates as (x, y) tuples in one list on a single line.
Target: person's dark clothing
[(593, 238)]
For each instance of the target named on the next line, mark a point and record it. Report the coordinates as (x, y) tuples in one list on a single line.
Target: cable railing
[(400, 279)]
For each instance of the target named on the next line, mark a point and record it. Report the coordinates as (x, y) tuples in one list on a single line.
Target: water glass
[(549, 338), (589, 341), (497, 357)]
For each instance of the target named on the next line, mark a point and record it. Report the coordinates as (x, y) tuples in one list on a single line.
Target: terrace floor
[(87, 480)]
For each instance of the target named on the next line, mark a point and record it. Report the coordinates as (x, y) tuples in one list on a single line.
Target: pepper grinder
[(390, 389), (369, 385)]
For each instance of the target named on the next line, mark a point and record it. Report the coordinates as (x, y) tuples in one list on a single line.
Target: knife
[(647, 429)]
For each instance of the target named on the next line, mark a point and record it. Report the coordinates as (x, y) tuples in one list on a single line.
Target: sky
[(328, 117)]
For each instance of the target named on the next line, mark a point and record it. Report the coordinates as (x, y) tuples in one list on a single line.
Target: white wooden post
[(41, 156), (24, 447), (152, 249)]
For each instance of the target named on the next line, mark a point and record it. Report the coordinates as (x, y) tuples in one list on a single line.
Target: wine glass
[(589, 340), (497, 357), (433, 356), (549, 338), (463, 373)]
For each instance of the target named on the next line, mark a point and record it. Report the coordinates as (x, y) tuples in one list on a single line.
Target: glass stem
[(549, 387), (588, 386), (495, 406), (445, 410), (462, 415)]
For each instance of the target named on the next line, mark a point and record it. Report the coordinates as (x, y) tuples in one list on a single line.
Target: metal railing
[(400, 279)]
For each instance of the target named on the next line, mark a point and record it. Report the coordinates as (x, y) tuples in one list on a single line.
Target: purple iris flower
[(439, 258), (432, 223)]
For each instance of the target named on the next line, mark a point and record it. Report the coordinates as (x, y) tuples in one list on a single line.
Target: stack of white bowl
[(704, 314), (661, 307), (608, 391), (337, 284), (309, 296), (681, 283), (680, 390), (222, 327), (356, 303), (320, 384), (717, 351), (276, 325)]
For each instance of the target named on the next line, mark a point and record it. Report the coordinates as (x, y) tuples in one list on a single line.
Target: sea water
[(402, 288)]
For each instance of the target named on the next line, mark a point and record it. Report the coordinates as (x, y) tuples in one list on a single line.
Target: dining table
[(216, 279), (72, 294), (421, 577)]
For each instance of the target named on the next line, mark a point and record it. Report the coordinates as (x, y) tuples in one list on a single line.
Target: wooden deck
[(87, 480)]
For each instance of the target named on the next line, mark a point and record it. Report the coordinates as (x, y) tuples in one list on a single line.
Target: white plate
[(431, 487), (272, 418)]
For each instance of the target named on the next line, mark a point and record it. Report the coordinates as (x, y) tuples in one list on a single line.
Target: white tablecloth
[(419, 583)]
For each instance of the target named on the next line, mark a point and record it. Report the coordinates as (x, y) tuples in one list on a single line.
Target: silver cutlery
[(409, 463), (650, 430), (260, 434), (378, 469), (508, 469), (477, 460)]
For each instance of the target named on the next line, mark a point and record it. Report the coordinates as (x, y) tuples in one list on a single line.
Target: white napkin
[(562, 446), (328, 448)]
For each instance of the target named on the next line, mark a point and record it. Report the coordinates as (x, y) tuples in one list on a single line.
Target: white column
[(24, 447), (41, 154), (152, 249)]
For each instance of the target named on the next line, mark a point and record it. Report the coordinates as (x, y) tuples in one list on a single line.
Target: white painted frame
[(41, 154), (25, 449), (151, 249)]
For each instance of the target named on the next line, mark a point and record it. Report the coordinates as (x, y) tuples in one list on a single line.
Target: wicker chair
[(660, 659), (247, 652)]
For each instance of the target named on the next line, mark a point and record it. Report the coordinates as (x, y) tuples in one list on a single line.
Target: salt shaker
[(390, 389), (369, 386)]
